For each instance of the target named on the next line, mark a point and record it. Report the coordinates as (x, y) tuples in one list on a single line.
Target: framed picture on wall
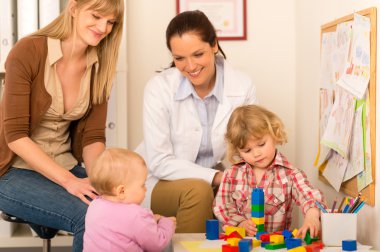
[(228, 16)]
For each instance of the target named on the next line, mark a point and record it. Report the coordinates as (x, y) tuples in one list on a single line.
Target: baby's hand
[(157, 217), (174, 221), (249, 226)]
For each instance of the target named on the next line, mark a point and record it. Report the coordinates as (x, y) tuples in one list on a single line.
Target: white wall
[(310, 15), (268, 56), (281, 55)]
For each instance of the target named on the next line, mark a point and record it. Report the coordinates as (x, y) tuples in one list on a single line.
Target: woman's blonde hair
[(114, 167), (108, 49), (251, 122)]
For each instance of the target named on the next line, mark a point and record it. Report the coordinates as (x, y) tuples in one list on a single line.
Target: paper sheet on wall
[(327, 49), (357, 71), (342, 48), (356, 157), (325, 105), (337, 134), (335, 169), (365, 177)]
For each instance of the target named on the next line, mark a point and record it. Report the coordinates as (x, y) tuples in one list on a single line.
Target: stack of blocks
[(257, 204), (237, 243)]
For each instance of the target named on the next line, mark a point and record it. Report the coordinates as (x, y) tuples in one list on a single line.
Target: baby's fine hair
[(114, 167), (252, 122)]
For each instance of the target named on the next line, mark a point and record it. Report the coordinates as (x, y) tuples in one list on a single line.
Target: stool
[(45, 233)]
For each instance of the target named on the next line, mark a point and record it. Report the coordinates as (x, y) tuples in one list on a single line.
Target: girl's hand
[(311, 223), (249, 226), (81, 188)]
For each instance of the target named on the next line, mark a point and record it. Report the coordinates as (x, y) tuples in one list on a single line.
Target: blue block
[(349, 245), (258, 214), (287, 234), (212, 229), (293, 243), (257, 196), (245, 245)]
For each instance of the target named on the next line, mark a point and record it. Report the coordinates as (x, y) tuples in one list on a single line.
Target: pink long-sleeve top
[(120, 227)]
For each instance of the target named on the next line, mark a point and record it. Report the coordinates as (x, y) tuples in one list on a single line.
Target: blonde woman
[(53, 113)]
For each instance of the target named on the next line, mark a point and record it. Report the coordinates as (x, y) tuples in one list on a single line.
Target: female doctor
[(185, 113)]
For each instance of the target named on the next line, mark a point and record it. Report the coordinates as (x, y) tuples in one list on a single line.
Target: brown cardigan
[(25, 101)]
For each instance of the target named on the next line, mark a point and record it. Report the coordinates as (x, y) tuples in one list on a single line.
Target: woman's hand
[(249, 226), (311, 223), (81, 188)]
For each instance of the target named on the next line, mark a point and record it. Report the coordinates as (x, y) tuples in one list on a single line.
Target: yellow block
[(228, 230), (258, 221), (256, 243), (275, 238), (297, 249), (295, 231), (233, 241)]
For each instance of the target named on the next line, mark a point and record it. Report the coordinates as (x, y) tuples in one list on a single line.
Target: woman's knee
[(197, 191)]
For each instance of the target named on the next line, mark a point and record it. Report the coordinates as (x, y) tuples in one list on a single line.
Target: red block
[(313, 248), (319, 243), (265, 237), (234, 234), (229, 248)]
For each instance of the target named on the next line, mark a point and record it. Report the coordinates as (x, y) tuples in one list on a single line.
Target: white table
[(177, 247)]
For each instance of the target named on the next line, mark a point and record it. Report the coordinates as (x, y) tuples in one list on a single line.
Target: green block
[(308, 239), (273, 246), (257, 208), (260, 228)]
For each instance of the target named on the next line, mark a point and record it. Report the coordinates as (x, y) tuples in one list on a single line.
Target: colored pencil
[(333, 206), (341, 205), (321, 207), (359, 207)]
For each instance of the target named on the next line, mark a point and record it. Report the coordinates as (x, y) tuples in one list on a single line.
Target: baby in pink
[(115, 221)]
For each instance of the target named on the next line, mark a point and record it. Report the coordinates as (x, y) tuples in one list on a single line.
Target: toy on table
[(285, 239)]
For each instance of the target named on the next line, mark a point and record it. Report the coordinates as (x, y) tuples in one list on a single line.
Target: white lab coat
[(172, 129)]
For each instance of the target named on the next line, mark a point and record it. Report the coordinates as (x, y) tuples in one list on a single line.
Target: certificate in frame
[(228, 16)]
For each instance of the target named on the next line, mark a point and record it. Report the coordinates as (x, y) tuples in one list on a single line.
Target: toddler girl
[(252, 135)]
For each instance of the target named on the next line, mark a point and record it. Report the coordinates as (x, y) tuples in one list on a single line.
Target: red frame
[(243, 37)]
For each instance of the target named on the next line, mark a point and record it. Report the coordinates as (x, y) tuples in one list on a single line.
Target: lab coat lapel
[(223, 111)]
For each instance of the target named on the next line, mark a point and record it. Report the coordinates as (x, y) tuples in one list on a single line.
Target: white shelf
[(22, 238)]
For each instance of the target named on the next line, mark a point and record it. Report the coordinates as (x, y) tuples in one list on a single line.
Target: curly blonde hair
[(251, 122)]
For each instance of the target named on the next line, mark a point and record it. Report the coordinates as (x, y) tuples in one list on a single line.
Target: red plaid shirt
[(283, 184)]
